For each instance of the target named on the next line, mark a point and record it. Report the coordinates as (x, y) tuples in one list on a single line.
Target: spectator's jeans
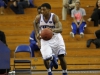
[(34, 47), (79, 30)]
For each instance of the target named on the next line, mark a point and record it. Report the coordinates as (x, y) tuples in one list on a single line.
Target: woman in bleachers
[(95, 17), (78, 23)]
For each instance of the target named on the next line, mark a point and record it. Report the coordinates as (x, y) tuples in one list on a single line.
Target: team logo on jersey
[(50, 21)]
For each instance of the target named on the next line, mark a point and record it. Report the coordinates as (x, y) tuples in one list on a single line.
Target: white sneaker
[(72, 34), (89, 19), (2, 13), (81, 35)]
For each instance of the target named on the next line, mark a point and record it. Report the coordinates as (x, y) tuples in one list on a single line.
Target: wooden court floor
[(60, 73)]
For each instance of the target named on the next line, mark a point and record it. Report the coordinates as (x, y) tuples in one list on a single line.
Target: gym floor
[(96, 72)]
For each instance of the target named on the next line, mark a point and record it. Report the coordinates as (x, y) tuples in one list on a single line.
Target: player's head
[(39, 10), (77, 4), (45, 8)]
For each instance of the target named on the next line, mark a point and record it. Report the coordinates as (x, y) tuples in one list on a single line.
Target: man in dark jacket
[(18, 6), (95, 41)]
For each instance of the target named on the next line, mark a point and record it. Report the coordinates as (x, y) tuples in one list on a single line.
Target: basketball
[(46, 34)]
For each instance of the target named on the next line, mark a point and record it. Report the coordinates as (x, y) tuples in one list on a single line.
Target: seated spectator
[(78, 23), (33, 43), (3, 4), (95, 17), (68, 5), (19, 6), (95, 41), (3, 37)]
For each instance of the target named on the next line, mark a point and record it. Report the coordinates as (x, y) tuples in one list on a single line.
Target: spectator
[(19, 6), (68, 5), (3, 4), (95, 17), (3, 37), (78, 17), (33, 43), (95, 41)]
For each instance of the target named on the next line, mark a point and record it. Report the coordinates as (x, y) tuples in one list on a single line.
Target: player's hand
[(38, 44), (38, 36), (50, 28)]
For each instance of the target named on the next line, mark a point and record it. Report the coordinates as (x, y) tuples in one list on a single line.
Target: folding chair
[(20, 62)]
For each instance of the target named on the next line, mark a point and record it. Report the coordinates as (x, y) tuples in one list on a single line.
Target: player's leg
[(46, 52), (63, 64), (61, 51), (52, 63), (46, 63)]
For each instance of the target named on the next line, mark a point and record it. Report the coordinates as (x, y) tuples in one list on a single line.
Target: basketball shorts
[(53, 46)]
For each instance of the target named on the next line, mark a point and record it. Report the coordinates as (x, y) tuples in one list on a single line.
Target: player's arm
[(58, 25), (36, 28), (35, 24)]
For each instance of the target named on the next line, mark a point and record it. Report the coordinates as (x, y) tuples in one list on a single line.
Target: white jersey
[(49, 23), (53, 46)]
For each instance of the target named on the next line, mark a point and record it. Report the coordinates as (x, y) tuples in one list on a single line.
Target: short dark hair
[(39, 7), (47, 5)]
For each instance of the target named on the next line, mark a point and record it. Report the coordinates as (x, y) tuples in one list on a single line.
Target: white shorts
[(53, 46)]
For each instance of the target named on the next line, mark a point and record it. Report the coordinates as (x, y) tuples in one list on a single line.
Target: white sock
[(49, 70), (52, 58), (64, 71)]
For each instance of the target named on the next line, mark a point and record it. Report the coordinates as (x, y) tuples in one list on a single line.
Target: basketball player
[(55, 44)]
